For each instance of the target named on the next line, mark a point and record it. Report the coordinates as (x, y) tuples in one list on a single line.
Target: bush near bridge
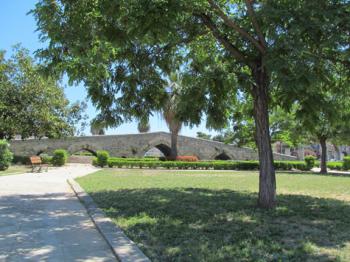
[(5, 155), (60, 157), (204, 165), (102, 158)]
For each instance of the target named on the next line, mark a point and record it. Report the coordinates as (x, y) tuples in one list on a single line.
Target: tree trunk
[(323, 155), (173, 154), (267, 179)]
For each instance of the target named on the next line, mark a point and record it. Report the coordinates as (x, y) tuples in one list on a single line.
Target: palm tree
[(96, 128), (143, 125), (170, 109)]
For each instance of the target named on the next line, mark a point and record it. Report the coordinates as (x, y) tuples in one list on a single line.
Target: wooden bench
[(37, 163)]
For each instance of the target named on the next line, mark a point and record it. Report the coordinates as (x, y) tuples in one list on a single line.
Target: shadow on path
[(48, 227)]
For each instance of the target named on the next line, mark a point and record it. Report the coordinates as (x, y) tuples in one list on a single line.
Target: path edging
[(123, 247)]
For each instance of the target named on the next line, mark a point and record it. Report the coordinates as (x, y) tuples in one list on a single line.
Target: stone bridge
[(136, 145)]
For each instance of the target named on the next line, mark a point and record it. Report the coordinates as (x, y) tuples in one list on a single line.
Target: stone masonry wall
[(136, 145)]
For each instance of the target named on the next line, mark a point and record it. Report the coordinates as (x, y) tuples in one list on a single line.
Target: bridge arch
[(41, 152), (222, 156), (86, 147), (162, 145)]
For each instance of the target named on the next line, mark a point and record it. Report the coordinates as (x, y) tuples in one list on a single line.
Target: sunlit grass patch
[(212, 216)]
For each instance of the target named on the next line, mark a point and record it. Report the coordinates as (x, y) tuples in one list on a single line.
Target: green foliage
[(346, 162), (31, 104), (97, 128), (285, 127), (46, 159), (83, 153), (277, 52), (143, 125), (5, 155), (203, 135), (94, 161), (204, 165), (335, 165), (310, 162), (60, 157), (132, 57), (102, 158)]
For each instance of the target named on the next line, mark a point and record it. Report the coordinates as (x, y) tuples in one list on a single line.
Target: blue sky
[(18, 27)]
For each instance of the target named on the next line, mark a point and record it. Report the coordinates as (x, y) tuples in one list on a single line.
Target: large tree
[(325, 115), (31, 104), (123, 49)]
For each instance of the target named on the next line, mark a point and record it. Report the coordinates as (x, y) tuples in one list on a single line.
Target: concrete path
[(42, 220)]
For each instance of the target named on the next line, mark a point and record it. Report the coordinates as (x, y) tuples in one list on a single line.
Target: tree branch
[(223, 39), (230, 23), (255, 23)]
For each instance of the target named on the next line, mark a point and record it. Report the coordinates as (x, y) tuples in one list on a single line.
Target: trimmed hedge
[(216, 165), (60, 157), (335, 165), (134, 159)]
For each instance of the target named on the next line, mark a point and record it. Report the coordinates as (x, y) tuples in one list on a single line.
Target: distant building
[(334, 153)]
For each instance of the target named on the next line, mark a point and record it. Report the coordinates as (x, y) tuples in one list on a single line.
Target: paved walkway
[(42, 220)]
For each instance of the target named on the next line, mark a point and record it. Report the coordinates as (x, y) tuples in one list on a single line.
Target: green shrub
[(102, 158), (346, 162), (5, 155), (94, 162), (205, 165), (60, 157), (310, 162), (46, 159)]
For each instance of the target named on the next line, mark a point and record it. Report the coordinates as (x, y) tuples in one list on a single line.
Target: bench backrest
[(35, 160)]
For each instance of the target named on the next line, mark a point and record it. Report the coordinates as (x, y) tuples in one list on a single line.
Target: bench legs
[(38, 168)]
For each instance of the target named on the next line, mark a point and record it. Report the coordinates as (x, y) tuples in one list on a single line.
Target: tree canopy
[(31, 104), (123, 51)]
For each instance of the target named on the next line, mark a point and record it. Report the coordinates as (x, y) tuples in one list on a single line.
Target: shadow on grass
[(187, 224)]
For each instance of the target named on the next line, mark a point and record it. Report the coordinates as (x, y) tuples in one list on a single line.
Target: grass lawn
[(13, 170), (212, 215)]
